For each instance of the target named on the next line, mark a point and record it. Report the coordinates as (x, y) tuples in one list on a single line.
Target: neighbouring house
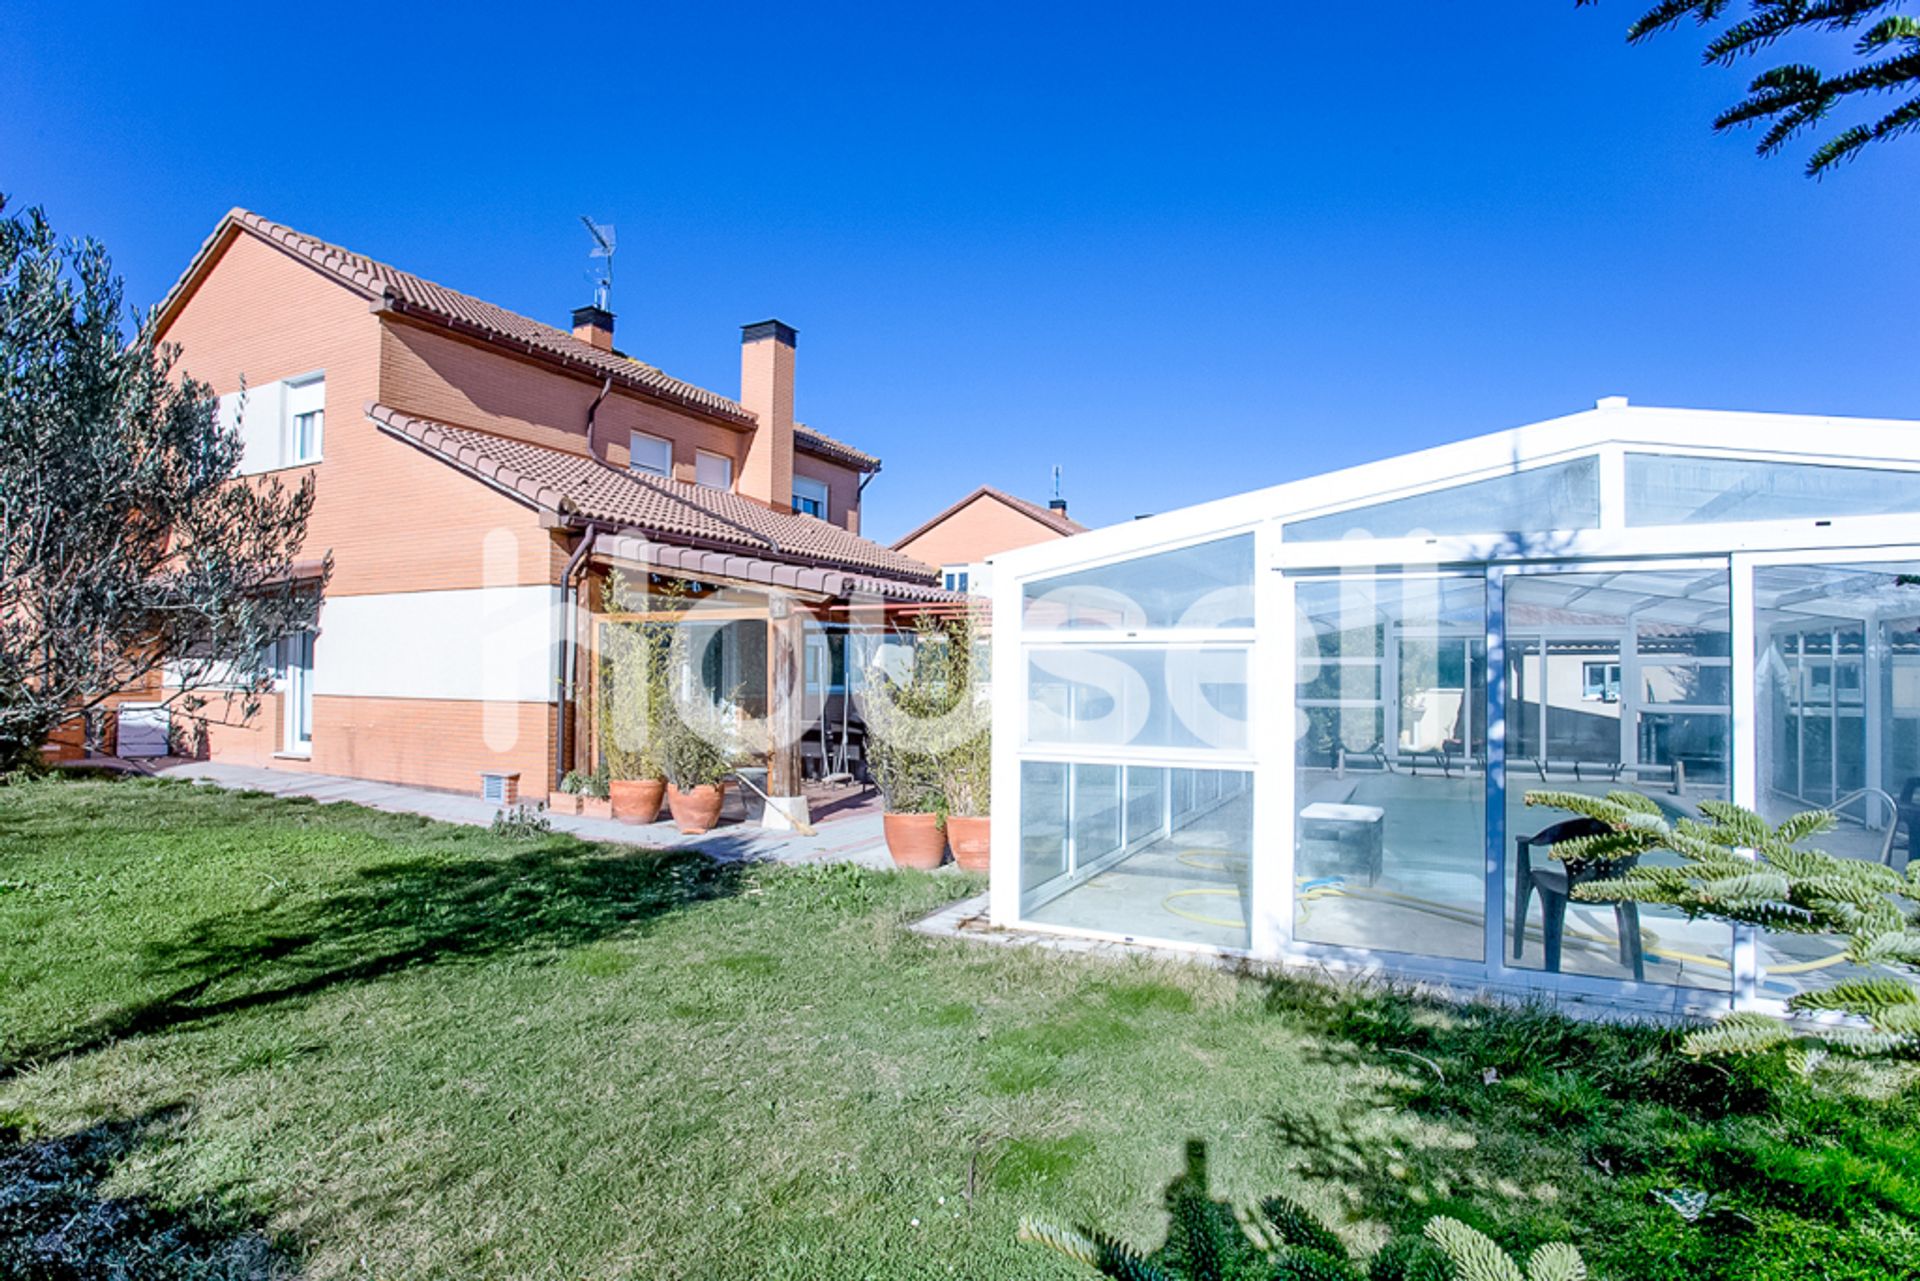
[(478, 474), (1301, 724), (961, 539)]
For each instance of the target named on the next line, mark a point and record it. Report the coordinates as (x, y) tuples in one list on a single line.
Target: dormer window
[(810, 496), (715, 471), (650, 455)]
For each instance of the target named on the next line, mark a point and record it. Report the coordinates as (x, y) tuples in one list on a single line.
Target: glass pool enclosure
[(1301, 724)]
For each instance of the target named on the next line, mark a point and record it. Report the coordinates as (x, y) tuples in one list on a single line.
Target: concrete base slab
[(785, 814)]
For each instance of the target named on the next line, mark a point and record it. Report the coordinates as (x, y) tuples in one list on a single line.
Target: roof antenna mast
[(602, 248), (1056, 481)]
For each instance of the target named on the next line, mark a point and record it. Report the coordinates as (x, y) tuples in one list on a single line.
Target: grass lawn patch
[(248, 1036)]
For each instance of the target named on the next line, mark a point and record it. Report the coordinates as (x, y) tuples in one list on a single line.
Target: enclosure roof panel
[(1611, 427)]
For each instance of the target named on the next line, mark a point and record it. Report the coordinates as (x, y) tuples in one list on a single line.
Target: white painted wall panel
[(493, 643), (262, 425)]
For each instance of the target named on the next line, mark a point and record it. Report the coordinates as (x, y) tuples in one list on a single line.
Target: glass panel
[(1146, 800), (1043, 828), (1137, 697), (1558, 496), (1208, 586), (1837, 701), (1669, 489), (1566, 633), (1390, 850), (1668, 682), (1157, 853)]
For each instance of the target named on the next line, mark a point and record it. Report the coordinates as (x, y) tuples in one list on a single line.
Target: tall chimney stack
[(594, 326), (766, 388)]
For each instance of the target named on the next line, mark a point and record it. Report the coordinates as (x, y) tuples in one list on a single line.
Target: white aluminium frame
[(1611, 432)]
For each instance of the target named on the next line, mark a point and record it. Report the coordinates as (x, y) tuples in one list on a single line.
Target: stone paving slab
[(855, 839)]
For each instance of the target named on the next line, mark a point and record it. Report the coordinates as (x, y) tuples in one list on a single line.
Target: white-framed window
[(955, 580), (1600, 682), (715, 471), (650, 455), (281, 424), (810, 496), (306, 410)]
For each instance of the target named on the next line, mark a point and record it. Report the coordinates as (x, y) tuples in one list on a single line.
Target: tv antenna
[(1056, 481), (603, 244)]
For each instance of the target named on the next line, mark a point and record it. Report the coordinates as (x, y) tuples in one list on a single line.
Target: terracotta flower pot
[(697, 809), (596, 807), (637, 800), (563, 802), (915, 840), (970, 838)]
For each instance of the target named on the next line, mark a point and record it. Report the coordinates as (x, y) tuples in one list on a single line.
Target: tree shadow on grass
[(57, 1225), (555, 894), (1531, 1125)]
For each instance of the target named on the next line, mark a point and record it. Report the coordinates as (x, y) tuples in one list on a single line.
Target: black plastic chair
[(1909, 813), (1555, 884)]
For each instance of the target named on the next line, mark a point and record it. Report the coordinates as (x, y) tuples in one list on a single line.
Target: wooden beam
[(786, 695)]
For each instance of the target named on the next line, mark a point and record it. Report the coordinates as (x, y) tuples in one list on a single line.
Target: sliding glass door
[(1616, 680)]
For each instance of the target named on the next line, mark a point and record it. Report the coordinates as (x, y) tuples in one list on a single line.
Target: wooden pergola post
[(786, 710)]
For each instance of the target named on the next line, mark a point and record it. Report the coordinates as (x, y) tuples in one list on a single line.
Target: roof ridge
[(1060, 520), (381, 279), (1057, 523)]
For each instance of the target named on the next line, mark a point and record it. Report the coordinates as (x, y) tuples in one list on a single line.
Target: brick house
[(477, 473), (961, 538)]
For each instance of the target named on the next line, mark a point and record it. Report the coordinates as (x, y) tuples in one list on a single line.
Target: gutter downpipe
[(606, 388), (567, 658)]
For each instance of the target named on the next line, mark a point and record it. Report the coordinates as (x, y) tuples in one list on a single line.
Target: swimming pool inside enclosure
[(1301, 724)]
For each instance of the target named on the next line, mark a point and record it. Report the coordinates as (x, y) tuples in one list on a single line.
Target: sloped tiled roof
[(692, 562), (578, 485), (415, 296), (1046, 516), (818, 442)]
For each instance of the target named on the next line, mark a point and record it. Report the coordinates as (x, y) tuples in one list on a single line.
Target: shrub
[(1739, 868), (522, 822)]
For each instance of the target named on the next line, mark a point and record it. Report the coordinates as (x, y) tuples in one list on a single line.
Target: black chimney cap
[(597, 317), (769, 329)]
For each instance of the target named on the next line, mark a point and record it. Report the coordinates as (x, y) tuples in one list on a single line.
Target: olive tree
[(127, 540)]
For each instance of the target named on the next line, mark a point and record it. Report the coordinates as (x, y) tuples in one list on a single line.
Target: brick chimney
[(1058, 506), (594, 326), (766, 388)]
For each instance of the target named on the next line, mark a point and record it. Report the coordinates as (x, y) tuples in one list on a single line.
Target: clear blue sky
[(1182, 251)]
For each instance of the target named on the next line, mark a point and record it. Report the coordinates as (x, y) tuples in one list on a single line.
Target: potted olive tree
[(697, 751), (965, 762), (634, 687), (966, 784), (922, 715)]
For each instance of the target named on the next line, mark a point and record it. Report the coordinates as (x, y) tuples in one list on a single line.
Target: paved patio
[(852, 838)]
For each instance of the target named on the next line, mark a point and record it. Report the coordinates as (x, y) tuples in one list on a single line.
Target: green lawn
[(244, 1036)]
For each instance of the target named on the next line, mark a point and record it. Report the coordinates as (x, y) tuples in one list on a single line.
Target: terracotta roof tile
[(579, 485), (753, 569), (1045, 515), (818, 442), (417, 296)]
